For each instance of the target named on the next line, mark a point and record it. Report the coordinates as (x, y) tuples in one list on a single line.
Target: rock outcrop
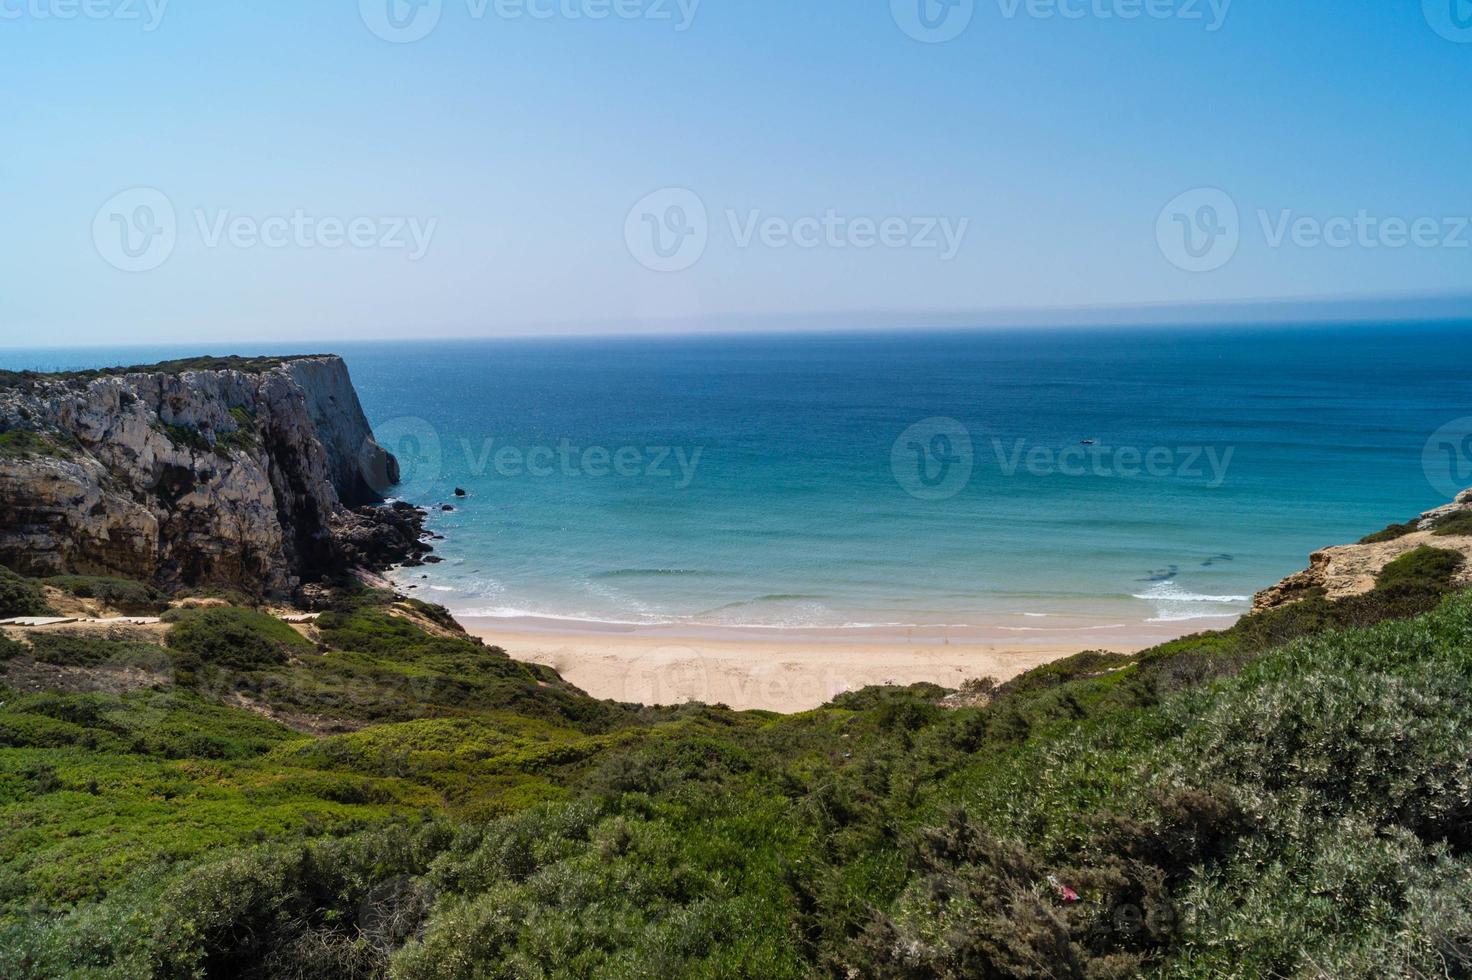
[(244, 475), (1351, 569)]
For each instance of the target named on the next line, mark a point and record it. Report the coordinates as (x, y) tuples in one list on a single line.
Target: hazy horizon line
[(1347, 311)]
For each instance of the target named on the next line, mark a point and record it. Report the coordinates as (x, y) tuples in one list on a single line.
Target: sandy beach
[(796, 670)]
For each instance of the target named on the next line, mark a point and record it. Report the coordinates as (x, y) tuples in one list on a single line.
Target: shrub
[(20, 596), (1456, 524), (81, 650), (24, 445), (233, 637), (124, 595), (1423, 571), (1393, 532)]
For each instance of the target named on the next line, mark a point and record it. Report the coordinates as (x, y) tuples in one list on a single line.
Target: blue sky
[(492, 168)]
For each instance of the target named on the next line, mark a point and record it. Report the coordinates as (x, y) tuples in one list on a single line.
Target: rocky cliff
[(1351, 569), (238, 473)]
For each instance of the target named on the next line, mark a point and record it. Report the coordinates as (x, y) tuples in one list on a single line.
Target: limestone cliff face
[(1351, 569), (239, 477)]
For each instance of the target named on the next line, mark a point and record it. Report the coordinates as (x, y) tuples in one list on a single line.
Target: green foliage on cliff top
[(20, 596), (247, 365), (1288, 797), (1457, 523)]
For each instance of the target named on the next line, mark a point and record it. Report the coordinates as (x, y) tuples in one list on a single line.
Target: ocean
[(1028, 480)]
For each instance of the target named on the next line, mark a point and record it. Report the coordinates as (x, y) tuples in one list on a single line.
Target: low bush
[(24, 445), (1456, 524), (124, 595), (1393, 533), (1424, 572), (82, 650), (233, 637), (20, 596)]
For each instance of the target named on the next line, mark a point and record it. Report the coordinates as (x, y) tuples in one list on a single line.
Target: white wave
[(1061, 629), (1171, 592)]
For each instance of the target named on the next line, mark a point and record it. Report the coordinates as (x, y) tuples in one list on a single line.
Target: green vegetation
[(21, 596), (185, 436), (247, 365), (23, 444), (1289, 797), (1393, 533), (232, 637), (1457, 523), (126, 596)]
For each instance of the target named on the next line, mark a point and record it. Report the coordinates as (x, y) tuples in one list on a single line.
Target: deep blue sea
[(922, 478)]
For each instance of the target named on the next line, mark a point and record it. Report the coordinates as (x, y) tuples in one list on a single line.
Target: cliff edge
[(1351, 569), (253, 474)]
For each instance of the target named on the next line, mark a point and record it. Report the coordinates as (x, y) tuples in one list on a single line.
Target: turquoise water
[(794, 481)]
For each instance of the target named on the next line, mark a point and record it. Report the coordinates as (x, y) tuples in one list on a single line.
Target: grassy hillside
[(387, 797)]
